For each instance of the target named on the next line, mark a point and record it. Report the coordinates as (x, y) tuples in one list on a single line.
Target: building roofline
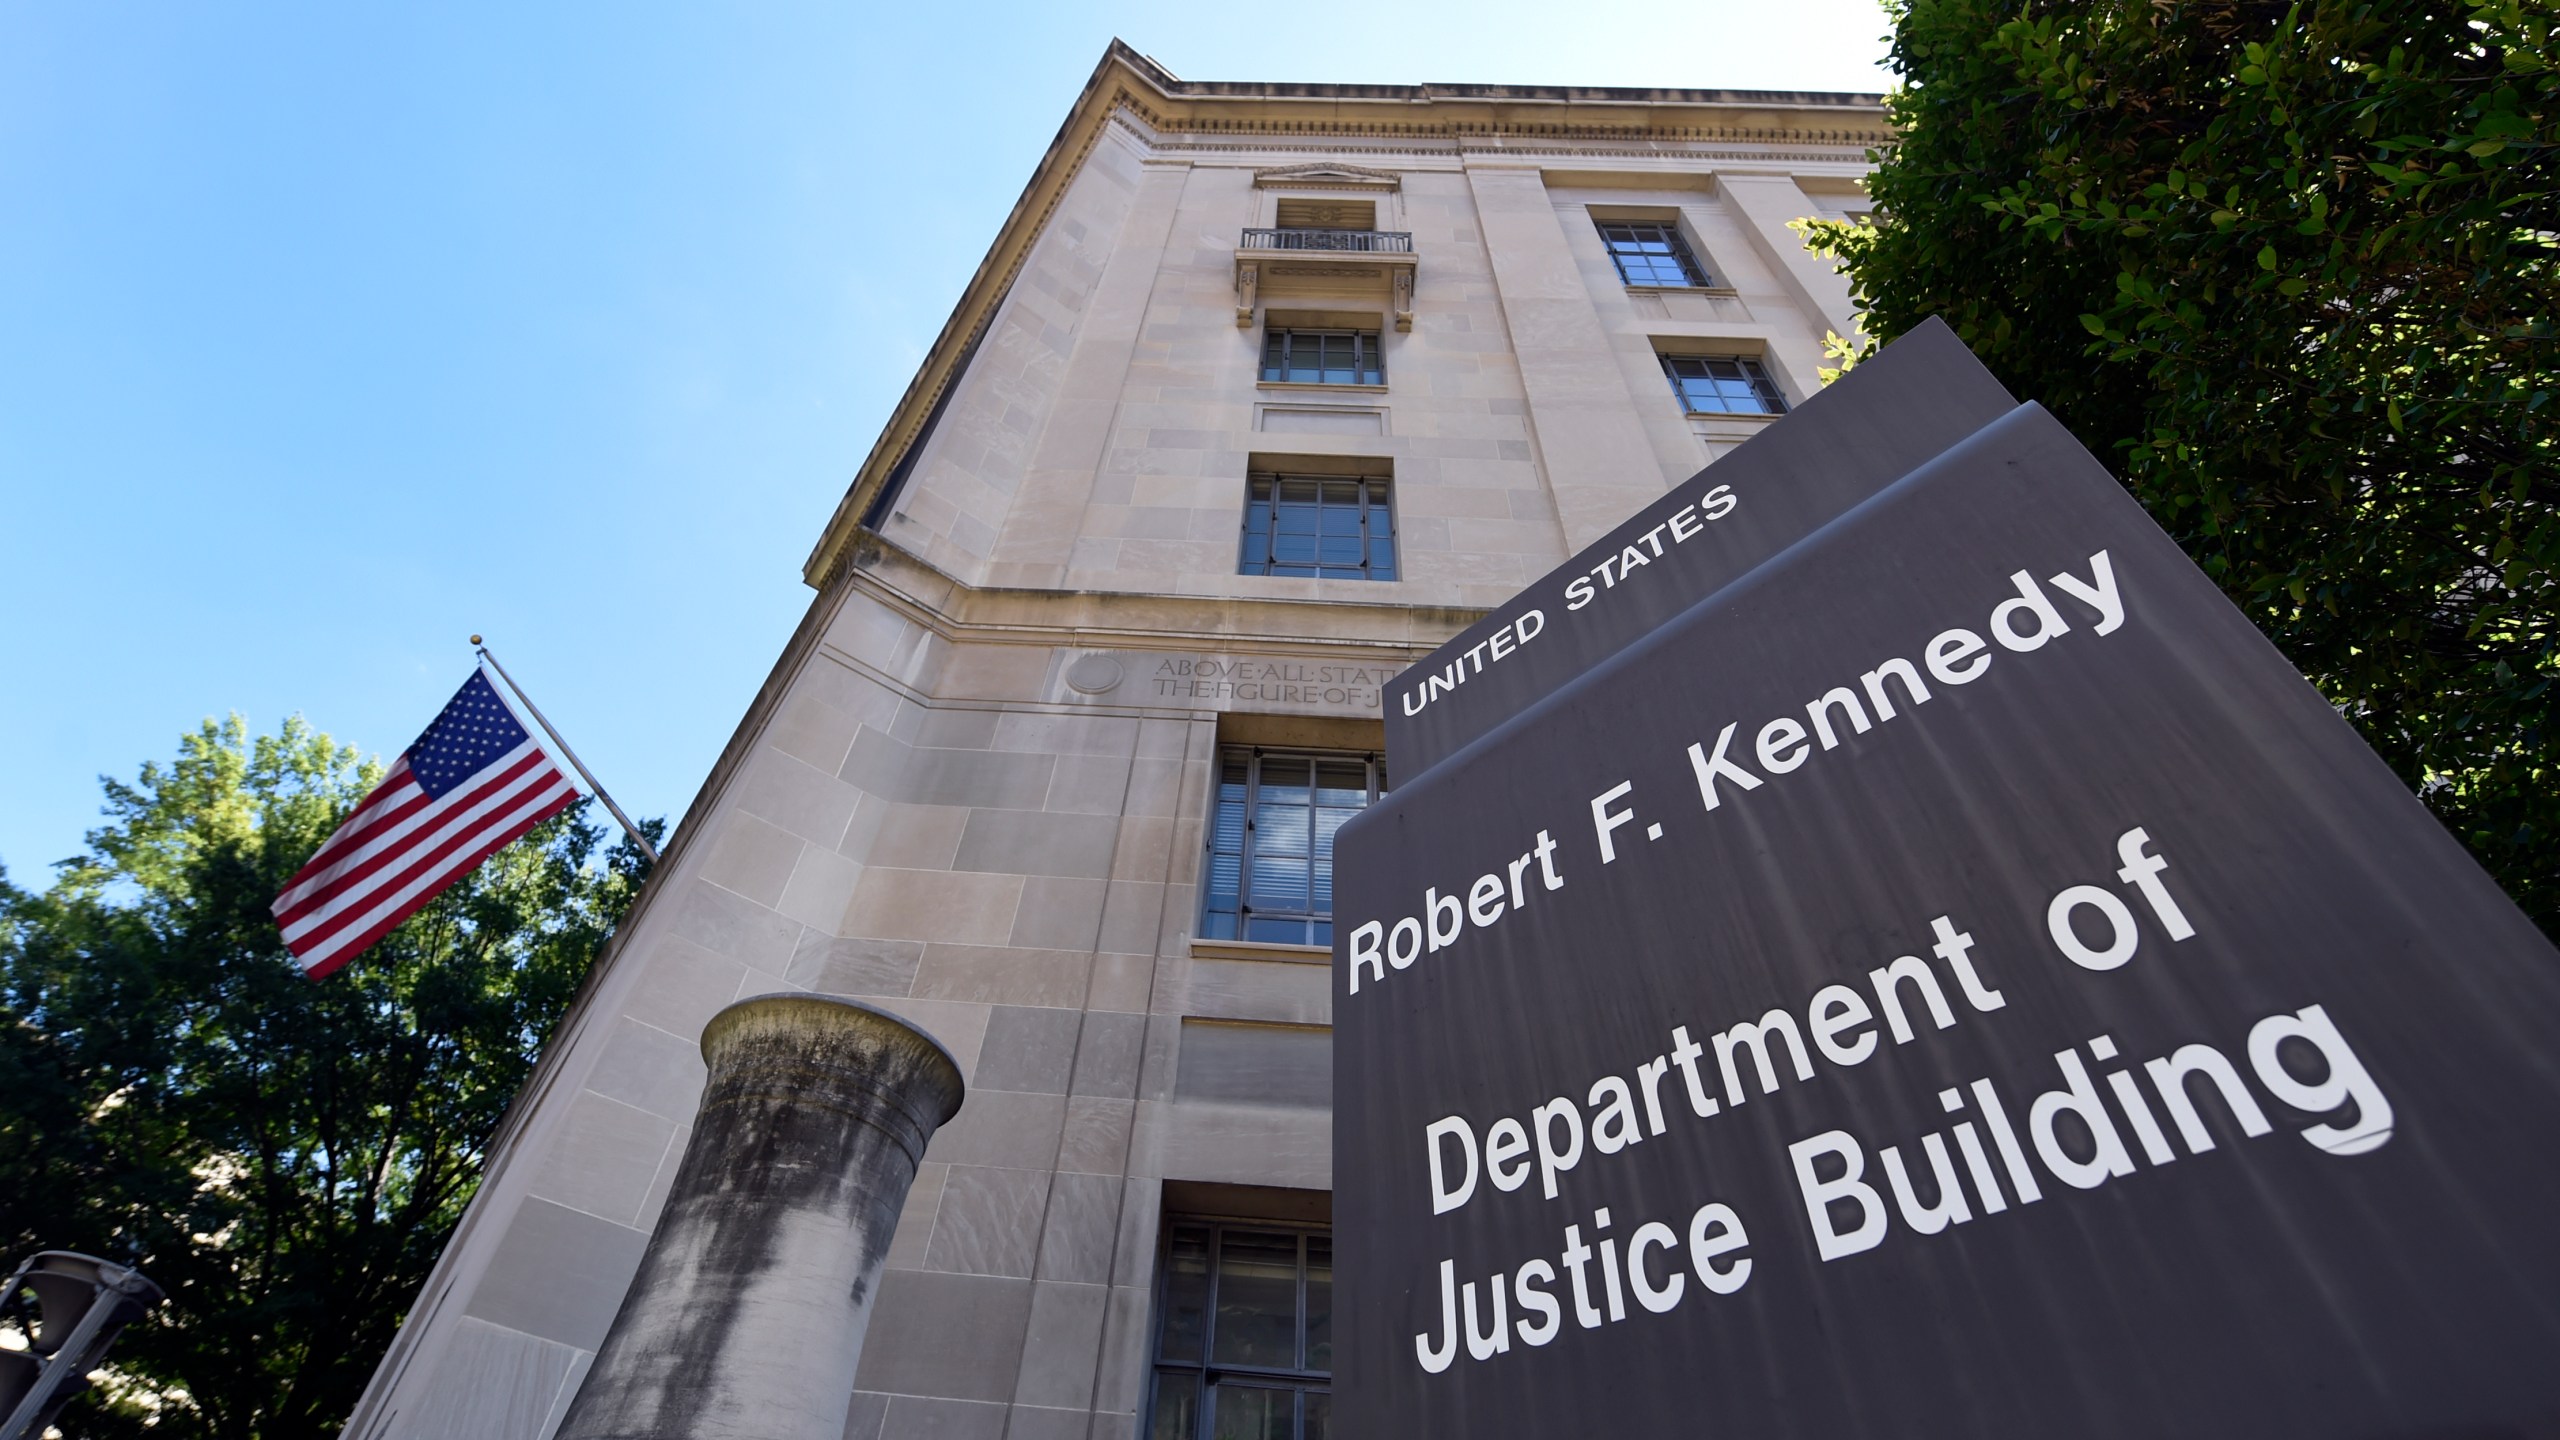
[(1165, 81), (1453, 114)]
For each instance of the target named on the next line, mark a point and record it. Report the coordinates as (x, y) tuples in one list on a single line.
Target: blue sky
[(331, 334)]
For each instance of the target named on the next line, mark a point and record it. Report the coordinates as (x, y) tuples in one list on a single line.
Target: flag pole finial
[(475, 639)]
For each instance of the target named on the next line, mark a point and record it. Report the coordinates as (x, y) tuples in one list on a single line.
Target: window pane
[(1177, 1406), (1281, 828), (1257, 1299), (1285, 778), (1319, 1310), (1294, 549), (1252, 1412), (1225, 871), (1319, 1415), (1297, 513), (1767, 388), (1328, 820), (1337, 359), (1280, 883), (1218, 925), (1342, 550), (1283, 931), (1342, 782), (1186, 1292)]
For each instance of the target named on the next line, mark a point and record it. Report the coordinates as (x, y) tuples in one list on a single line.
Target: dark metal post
[(746, 1318)]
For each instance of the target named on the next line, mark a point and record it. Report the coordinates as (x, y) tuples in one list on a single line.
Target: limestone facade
[(975, 787)]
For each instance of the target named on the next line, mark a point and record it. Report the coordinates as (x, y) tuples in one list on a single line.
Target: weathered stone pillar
[(746, 1318)]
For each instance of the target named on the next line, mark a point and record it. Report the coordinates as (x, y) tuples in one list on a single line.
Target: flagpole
[(628, 828)]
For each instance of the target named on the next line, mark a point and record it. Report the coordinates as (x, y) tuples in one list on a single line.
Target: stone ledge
[(1263, 950)]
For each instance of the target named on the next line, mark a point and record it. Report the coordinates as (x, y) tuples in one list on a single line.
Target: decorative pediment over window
[(1324, 177)]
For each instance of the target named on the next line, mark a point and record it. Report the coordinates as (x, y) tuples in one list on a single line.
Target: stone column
[(745, 1320)]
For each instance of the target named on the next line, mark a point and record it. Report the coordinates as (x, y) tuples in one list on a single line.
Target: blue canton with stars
[(474, 730)]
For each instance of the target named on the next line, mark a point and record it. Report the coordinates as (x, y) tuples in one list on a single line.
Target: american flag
[(471, 784)]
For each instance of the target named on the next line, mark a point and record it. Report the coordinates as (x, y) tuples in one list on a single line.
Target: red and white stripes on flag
[(473, 783)]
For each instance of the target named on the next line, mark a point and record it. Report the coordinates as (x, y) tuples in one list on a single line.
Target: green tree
[(2295, 268), (286, 1156)]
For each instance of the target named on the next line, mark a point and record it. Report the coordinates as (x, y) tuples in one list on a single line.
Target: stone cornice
[(1527, 120), (1125, 620)]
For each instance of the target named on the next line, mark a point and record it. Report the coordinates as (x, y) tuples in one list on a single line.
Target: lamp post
[(70, 1308)]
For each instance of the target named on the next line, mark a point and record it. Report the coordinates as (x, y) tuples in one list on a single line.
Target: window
[(1244, 1334), (1651, 252), (1329, 214), (1341, 529), (1723, 385), (1270, 862), (1324, 357)]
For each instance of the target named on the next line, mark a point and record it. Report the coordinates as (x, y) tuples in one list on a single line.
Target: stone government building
[(1262, 391)]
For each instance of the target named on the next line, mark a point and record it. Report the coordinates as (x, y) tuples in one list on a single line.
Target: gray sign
[(1908, 402), (1957, 980)]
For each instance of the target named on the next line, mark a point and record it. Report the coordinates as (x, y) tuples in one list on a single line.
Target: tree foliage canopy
[(2296, 268), (285, 1156)]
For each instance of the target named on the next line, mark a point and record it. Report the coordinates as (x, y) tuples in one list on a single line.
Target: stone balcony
[(1338, 264)]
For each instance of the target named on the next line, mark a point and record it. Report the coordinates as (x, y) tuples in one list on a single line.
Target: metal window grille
[(1651, 253), (1324, 357), (1269, 869), (1340, 529), (1723, 385), (1244, 1334)]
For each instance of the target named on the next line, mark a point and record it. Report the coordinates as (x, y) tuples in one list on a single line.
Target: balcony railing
[(1369, 242)]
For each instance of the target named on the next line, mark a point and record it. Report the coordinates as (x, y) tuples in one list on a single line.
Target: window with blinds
[(1269, 870)]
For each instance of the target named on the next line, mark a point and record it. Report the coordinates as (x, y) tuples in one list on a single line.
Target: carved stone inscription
[(1223, 680), (1266, 680)]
